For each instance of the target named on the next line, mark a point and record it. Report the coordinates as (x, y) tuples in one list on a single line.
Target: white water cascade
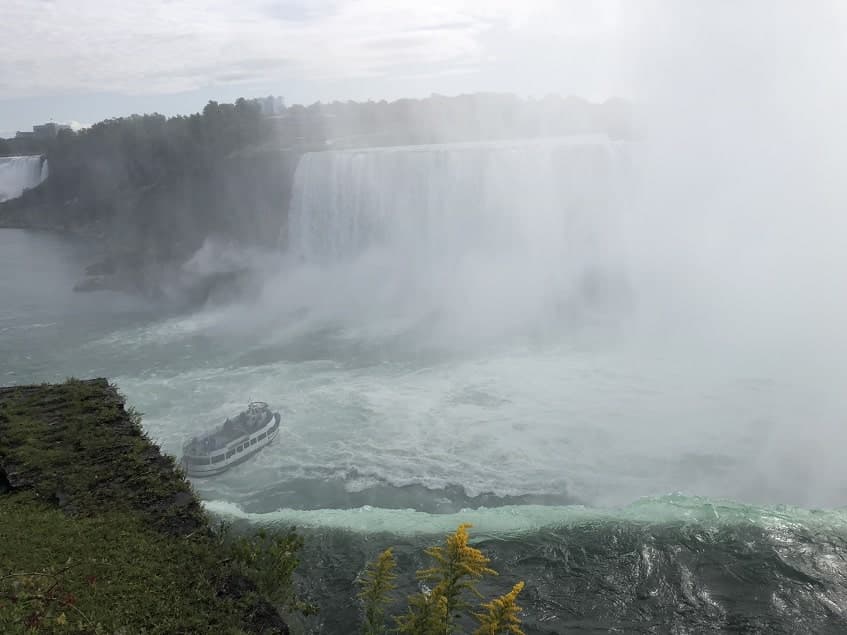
[(18, 174), (509, 230)]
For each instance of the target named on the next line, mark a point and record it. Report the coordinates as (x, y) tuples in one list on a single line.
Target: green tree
[(501, 615), (426, 615), (377, 585), (457, 568), (456, 571)]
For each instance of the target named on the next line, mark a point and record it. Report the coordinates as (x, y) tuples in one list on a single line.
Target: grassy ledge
[(99, 533)]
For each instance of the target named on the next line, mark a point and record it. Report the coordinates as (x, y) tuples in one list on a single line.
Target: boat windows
[(191, 460), (217, 458), (230, 453), (239, 448), (252, 441), (262, 436)]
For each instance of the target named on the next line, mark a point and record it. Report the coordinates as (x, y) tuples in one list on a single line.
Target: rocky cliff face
[(148, 233), (93, 508)]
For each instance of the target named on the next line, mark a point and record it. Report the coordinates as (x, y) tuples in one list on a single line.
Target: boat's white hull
[(233, 453)]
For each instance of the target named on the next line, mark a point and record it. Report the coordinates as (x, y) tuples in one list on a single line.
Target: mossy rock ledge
[(100, 532)]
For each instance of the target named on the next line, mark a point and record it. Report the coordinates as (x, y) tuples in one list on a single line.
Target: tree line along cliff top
[(157, 187)]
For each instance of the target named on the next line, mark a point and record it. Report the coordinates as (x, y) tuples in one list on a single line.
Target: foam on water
[(603, 427), (465, 318), (511, 520)]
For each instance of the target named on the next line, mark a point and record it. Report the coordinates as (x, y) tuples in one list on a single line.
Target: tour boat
[(234, 441)]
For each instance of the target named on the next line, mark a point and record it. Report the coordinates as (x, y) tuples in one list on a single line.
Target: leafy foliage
[(457, 568), (426, 615), (146, 150), (377, 583), (149, 184), (455, 572), (270, 559), (501, 616)]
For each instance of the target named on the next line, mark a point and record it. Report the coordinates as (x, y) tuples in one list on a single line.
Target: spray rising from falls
[(496, 235), (18, 174)]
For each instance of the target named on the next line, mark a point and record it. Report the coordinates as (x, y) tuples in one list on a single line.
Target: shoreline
[(89, 504)]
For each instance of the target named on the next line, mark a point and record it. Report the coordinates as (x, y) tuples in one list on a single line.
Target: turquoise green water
[(673, 479)]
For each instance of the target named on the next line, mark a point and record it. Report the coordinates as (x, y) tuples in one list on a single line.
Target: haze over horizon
[(88, 60)]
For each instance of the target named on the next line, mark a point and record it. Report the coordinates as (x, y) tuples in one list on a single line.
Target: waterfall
[(534, 195), (477, 225), (18, 174)]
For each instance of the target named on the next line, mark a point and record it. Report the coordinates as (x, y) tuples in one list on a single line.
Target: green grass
[(99, 533), (74, 444), (116, 575)]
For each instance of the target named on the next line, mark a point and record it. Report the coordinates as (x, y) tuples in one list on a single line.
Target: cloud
[(168, 46), (300, 10)]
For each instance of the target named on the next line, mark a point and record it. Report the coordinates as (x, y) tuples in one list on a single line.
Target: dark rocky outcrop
[(75, 449), (75, 445)]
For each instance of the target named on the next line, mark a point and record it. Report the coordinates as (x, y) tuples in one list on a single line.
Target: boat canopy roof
[(257, 416)]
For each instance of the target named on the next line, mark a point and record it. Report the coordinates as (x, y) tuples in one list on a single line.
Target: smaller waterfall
[(18, 174)]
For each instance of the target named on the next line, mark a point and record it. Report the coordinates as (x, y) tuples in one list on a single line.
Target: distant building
[(271, 105), (44, 131), (49, 130)]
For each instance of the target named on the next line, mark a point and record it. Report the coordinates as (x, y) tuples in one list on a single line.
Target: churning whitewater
[(624, 362), (477, 239), (460, 325), (481, 332), (18, 174)]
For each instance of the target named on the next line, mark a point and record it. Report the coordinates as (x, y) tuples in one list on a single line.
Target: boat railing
[(232, 448)]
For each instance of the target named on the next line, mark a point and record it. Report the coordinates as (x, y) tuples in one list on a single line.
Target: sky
[(86, 60)]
